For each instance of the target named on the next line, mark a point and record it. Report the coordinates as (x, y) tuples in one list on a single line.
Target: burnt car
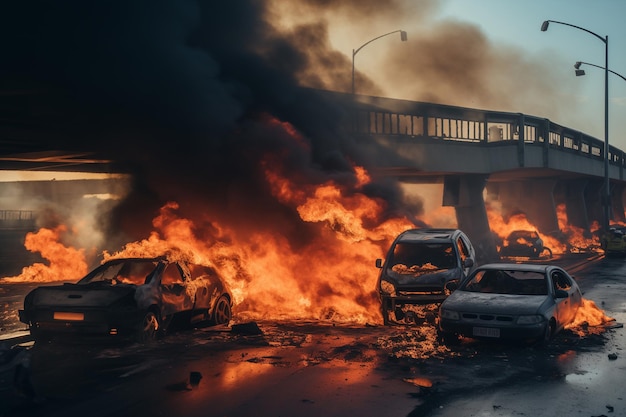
[(129, 298), (524, 243), (510, 301), (418, 265)]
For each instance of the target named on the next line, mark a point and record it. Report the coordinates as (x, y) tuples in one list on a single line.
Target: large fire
[(568, 239), (333, 276)]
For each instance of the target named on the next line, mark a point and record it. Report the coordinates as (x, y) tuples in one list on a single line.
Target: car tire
[(548, 333), (448, 339), (385, 311), (149, 328), (222, 313)]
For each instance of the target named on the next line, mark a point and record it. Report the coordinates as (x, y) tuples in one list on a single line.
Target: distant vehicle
[(614, 242), (418, 266), (524, 243), (130, 298), (507, 301)]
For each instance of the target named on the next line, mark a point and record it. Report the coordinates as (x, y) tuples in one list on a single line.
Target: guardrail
[(17, 219), (428, 121)]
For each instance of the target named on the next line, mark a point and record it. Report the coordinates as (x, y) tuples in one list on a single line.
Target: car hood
[(424, 276), (72, 295), (506, 304)]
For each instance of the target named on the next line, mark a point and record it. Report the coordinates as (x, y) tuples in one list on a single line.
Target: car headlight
[(387, 287), (533, 319), (449, 314)]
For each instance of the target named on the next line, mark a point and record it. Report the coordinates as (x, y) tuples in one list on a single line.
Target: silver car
[(511, 301)]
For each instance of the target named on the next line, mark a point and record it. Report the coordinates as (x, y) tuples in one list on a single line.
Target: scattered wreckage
[(418, 266), (510, 302), (129, 298)]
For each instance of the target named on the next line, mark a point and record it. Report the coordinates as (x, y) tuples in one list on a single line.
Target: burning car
[(511, 301), (524, 243), (136, 298), (418, 266)]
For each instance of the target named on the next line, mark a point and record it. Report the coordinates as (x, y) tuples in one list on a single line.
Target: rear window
[(134, 272), (410, 257)]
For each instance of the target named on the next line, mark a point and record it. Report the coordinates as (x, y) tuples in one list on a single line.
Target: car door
[(175, 294), (566, 307)]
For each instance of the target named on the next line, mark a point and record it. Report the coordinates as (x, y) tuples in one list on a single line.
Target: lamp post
[(607, 192), (580, 72), (403, 38)]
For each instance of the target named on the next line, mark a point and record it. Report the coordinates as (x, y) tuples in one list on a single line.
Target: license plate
[(485, 332), (63, 315)]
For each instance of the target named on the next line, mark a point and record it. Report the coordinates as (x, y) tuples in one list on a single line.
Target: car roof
[(431, 235), (523, 233), (517, 267), (136, 259)]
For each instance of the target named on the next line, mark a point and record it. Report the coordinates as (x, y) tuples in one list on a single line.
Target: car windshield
[(133, 272), (411, 258), (522, 237), (507, 282)]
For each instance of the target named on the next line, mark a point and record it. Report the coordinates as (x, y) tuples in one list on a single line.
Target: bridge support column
[(617, 203), (573, 195), (534, 198), (465, 194), (594, 195)]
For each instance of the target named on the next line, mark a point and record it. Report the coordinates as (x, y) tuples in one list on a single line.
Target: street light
[(403, 38), (580, 72), (607, 192)]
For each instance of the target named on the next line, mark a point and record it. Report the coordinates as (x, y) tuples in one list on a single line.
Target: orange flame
[(65, 263), (570, 238), (588, 315)]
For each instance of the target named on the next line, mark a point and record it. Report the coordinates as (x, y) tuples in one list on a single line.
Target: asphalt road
[(325, 369)]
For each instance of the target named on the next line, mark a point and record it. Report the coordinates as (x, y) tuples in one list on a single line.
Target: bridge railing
[(428, 121), (17, 219)]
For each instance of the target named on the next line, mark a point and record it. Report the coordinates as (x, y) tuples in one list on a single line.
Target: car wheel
[(547, 335), (149, 328), (384, 309), (449, 339), (547, 252), (222, 312)]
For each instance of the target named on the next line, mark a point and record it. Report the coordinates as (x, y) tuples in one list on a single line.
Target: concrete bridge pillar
[(572, 193), (617, 203), (594, 195), (465, 194), (534, 198)]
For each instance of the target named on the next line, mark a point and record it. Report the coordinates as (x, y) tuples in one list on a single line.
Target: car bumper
[(60, 322), (482, 331), (391, 302)]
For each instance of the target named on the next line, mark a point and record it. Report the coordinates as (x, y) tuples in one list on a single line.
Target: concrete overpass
[(528, 163)]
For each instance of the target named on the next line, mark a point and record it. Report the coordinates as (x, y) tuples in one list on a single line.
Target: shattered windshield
[(421, 257), (507, 282), (133, 272)]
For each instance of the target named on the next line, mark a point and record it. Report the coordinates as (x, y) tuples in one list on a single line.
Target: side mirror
[(452, 286), (468, 262), (379, 263), (561, 294)]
